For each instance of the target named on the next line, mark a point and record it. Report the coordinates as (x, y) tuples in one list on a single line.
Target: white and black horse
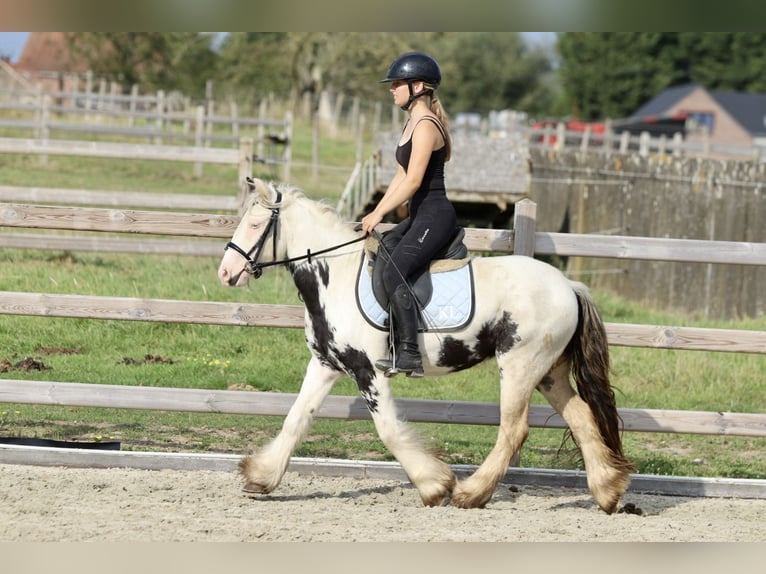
[(539, 326)]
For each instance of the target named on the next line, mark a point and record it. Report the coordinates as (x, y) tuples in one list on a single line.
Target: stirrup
[(416, 373), (390, 369)]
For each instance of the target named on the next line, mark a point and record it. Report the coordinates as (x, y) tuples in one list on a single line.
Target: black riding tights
[(429, 232)]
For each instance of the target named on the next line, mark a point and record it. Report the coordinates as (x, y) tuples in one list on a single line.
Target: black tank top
[(432, 187)]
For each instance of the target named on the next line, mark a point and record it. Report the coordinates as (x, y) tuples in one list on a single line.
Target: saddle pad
[(451, 306)]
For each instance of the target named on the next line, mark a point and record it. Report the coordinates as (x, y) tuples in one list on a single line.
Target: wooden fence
[(191, 244), (150, 118), (524, 239), (644, 143), (659, 196)]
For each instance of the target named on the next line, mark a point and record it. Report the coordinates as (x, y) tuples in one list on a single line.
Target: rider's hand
[(369, 222)]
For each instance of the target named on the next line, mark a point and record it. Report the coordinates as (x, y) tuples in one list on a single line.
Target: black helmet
[(415, 66)]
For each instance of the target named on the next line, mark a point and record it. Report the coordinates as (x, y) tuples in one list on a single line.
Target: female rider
[(423, 149)]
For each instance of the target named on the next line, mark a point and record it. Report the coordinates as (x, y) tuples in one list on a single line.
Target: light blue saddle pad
[(451, 306)]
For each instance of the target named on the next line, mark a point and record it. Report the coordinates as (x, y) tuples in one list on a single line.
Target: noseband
[(254, 267)]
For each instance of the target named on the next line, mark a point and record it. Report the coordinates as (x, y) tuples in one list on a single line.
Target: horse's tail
[(588, 352)]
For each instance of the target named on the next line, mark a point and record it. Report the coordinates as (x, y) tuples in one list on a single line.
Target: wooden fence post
[(159, 121), (561, 136), (133, 106), (524, 227), (44, 129), (287, 155), (678, 140), (245, 162), (643, 144), (261, 127)]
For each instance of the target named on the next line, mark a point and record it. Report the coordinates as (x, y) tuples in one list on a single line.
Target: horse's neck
[(308, 229), (306, 225)]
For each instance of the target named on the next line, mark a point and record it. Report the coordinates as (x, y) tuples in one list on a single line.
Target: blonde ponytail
[(438, 111)]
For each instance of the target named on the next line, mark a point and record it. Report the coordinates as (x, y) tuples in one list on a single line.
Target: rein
[(255, 268)]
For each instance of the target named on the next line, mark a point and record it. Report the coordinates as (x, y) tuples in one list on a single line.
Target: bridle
[(255, 267)]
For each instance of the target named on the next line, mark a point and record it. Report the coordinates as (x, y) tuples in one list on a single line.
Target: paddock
[(41, 503), (522, 239)]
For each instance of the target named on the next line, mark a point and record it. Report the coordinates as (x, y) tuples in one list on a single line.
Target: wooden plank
[(492, 197), (353, 408), (100, 244), (120, 150), (524, 221), (117, 221), (379, 470), (651, 248), (153, 310), (206, 225), (689, 338), (219, 313), (88, 197)]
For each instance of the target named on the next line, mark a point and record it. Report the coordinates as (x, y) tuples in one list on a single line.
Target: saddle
[(449, 304)]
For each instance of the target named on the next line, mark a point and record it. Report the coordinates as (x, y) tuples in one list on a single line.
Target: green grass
[(217, 357)]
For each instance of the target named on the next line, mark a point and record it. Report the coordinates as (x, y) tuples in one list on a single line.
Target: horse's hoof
[(255, 488), (463, 499)]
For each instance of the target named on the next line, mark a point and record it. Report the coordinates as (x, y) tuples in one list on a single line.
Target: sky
[(11, 43)]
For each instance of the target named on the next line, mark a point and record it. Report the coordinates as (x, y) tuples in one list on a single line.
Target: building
[(47, 61), (735, 119)]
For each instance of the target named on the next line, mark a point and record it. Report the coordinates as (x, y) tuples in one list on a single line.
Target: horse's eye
[(255, 225)]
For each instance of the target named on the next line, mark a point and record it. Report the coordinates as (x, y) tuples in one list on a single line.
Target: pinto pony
[(538, 325)]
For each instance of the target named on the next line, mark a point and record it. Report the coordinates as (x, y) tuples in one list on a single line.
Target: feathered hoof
[(469, 502), (439, 493), (255, 488), (608, 496), (438, 499), (610, 507), (465, 499)]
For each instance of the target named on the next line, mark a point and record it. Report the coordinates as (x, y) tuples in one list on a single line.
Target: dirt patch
[(148, 359), (25, 365)]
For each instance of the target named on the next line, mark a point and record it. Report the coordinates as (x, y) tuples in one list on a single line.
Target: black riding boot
[(404, 315)]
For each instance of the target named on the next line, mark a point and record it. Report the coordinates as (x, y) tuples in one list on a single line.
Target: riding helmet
[(415, 66)]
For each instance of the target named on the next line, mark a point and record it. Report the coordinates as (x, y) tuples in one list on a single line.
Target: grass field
[(214, 357)]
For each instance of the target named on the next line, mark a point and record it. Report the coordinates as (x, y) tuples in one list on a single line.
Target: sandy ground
[(40, 504)]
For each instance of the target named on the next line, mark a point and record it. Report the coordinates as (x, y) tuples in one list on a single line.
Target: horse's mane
[(292, 194)]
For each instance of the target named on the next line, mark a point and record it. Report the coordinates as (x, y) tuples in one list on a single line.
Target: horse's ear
[(260, 188)]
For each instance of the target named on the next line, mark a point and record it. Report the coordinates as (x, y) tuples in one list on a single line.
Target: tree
[(725, 60), (152, 60), (486, 71), (611, 74), (253, 64)]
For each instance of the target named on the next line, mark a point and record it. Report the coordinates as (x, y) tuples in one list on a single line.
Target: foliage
[(153, 60), (250, 65), (477, 80), (611, 74)]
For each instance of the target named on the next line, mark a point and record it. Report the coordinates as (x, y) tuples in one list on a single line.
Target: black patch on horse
[(308, 287), (359, 366), (324, 272), (498, 337), (352, 361)]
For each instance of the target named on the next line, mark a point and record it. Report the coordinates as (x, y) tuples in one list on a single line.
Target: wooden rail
[(290, 316), (92, 198), (341, 407), (496, 240)]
